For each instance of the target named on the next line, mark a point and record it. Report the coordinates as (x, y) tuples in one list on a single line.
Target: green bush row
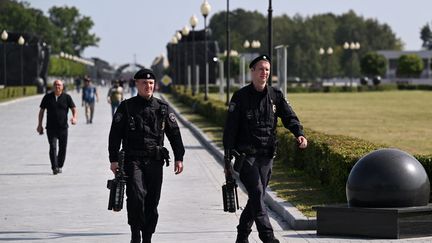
[(65, 68), (214, 110), (328, 158), (331, 89), (414, 87), (17, 91)]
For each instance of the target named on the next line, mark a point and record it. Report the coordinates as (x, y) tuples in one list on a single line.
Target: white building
[(392, 59)]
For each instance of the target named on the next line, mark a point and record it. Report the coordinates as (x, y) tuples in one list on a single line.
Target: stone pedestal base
[(389, 223)]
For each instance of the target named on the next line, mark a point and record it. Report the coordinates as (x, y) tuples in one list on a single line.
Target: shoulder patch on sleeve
[(172, 117), (117, 117), (231, 107), (161, 101)]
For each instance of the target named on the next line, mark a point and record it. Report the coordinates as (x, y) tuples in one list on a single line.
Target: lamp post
[(205, 10), (21, 43), (4, 36), (185, 33), (193, 21), (228, 47), (246, 45), (173, 42), (270, 38), (353, 46), (178, 35), (326, 55)]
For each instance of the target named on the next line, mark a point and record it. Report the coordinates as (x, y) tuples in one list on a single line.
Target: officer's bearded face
[(260, 73), (145, 87)]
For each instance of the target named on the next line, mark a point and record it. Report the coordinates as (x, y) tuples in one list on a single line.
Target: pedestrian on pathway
[(57, 104), (78, 82), (132, 87), (89, 98), (115, 95), (139, 125), (250, 130)]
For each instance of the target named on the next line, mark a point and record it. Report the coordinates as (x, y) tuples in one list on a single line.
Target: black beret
[(144, 74), (262, 57)]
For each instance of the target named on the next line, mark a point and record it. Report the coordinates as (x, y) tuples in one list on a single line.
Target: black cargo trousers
[(143, 190), (255, 175)]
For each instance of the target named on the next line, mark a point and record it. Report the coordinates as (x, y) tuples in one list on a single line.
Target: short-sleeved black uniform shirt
[(57, 110)]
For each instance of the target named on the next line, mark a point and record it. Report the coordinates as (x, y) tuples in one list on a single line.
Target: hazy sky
[(143, 28)]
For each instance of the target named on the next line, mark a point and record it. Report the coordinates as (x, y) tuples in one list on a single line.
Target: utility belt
[(157, 153), (250, 150), (242, 152)]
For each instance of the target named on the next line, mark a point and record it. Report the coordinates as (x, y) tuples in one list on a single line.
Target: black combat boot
[(146, 238), (241, 239), (136, 234), (243, 235), (271, 240)]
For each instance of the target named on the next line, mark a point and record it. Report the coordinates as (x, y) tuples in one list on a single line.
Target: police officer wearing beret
[(139, 125), (251, 129)]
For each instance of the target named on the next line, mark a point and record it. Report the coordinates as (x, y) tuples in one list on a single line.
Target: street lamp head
[(174, 40), (193, 21), (346, 45), (205, 8), (357, 45), (321, 51), (330, 51), (185, 31), (246, 44), (21, 40), (4, 35), (256, 44), (178, 35)]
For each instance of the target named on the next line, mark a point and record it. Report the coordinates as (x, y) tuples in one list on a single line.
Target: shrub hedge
[(11, 92), (328, 158)]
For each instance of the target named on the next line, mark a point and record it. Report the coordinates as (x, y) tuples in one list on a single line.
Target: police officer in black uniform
[(139, 125), (250, 129)]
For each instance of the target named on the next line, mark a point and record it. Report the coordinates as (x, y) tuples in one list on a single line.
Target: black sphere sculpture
[(388, 178)]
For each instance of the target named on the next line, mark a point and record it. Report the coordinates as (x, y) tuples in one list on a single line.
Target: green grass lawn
[(400, 119)]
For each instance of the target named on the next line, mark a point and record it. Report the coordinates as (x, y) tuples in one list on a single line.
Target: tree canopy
[(426, 37), (373, 64), (65, 29), (305, 36), (409, 66)]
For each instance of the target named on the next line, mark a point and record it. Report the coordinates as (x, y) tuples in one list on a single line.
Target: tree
[(306, 35), (409, 66), (373, 64), (426, 37), (244, 25), (65, 30), (20, 17), (75, 30)]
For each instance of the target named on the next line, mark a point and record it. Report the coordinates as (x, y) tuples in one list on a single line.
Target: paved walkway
[(36, 206)]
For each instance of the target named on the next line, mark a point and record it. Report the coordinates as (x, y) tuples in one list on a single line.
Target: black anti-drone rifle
[(229, 189), (117, 186)]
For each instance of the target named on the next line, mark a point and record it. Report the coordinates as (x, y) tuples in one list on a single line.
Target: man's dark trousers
[(59, 136), (255, 178), (143, 190)]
